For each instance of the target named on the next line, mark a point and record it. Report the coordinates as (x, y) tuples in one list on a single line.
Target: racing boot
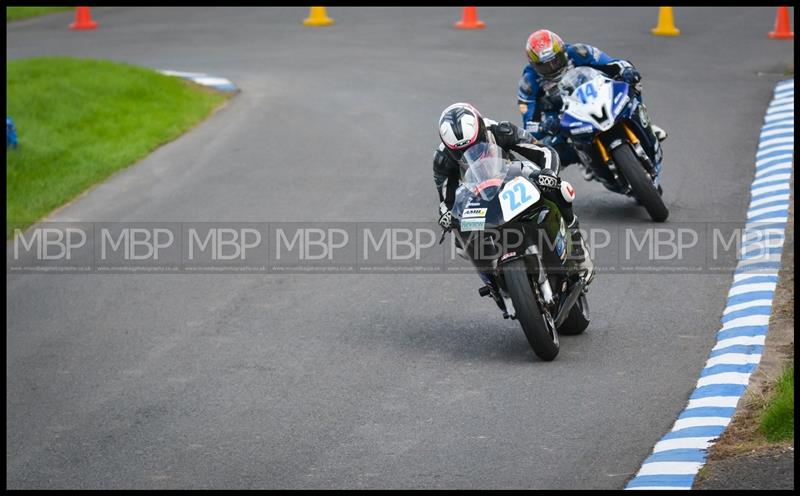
[(486, 278), (659, 132), (588, 173), (489, 288), (579, 254)]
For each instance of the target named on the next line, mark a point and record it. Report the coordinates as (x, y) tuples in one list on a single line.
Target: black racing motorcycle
[(507, 229)]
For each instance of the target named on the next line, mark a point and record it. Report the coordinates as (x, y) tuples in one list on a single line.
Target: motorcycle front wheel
[(536, 321), (643, 188)]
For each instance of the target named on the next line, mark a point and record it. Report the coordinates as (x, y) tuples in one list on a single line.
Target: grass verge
[(777, 420), (17, 13), (79, 121)]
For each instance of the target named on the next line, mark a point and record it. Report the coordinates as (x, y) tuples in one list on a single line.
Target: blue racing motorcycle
[(606, 124)]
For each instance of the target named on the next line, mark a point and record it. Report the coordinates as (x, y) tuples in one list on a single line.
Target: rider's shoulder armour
[(583, 54), (504, 133), (508, 135), (582, 50), (504, 128)]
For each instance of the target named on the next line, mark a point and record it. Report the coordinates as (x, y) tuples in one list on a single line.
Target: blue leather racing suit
[(532, 89), (532, 86)]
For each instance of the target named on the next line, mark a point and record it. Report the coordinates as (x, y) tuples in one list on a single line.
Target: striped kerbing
[(680, 454), (217, 83)]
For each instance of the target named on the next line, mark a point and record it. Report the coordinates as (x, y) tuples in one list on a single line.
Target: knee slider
[(567, 191)]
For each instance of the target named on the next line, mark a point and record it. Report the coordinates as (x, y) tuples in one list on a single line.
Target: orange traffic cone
[(469, 19), (783, 31), (83, 19)]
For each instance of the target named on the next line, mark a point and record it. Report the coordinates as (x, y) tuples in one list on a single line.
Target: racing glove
[(550, 124), (552, 103), (445, 217), (633, 78), (630, 75)]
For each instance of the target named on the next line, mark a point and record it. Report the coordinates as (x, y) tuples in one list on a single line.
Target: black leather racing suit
[(447, 171)]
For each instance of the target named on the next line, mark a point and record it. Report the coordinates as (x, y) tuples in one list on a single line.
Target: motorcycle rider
[(460, 127), (549, 59)]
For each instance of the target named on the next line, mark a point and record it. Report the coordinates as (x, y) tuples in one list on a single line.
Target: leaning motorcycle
[(607, 125), (504, 225)]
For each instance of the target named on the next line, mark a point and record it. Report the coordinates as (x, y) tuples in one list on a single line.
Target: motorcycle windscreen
[(575, 78), (486, 170)]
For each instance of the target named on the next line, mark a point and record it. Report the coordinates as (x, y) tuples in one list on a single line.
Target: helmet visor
[(457, 154), (552, 67)]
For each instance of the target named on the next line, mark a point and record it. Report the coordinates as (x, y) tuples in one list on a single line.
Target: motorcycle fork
[(639, 150), (538, 272), (607, 158)]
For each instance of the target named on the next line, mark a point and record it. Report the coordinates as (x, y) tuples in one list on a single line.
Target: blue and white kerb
[(680, 454), (217, 83)]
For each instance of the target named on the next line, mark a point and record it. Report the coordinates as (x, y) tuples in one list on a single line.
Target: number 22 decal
[(511, 197), (517, 196)]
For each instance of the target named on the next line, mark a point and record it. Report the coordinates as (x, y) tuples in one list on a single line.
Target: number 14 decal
[(587, 92)]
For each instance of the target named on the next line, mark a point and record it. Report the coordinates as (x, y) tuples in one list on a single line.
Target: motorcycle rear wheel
[(578, 319)]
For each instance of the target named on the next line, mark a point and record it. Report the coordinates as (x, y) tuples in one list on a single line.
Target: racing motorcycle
[(606, 124), (503, 224)]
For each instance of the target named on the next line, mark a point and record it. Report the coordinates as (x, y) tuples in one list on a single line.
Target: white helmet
[(460, 127)]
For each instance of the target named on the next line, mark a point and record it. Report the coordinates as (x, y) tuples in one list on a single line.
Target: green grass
[(777, 420), (17, 13), (78, 121)]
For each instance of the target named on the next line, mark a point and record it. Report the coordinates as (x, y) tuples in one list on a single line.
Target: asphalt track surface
[(368, 381)]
